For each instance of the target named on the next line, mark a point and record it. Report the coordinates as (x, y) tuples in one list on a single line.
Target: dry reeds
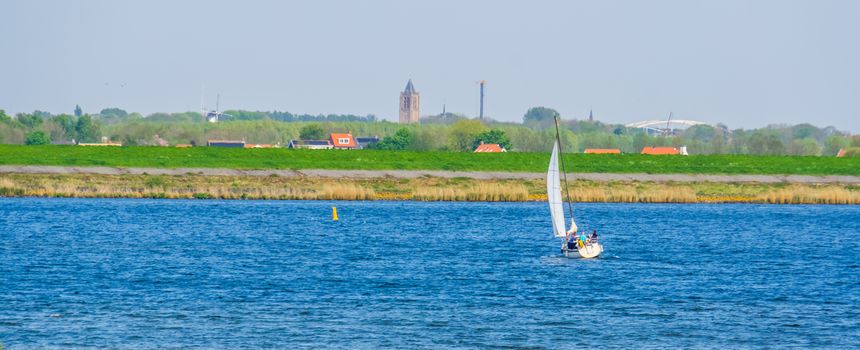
[(812, 195), (432, 194), (482, 192), (6, 183), (632, 194), (180, 187), (345, 191), (419, 189)]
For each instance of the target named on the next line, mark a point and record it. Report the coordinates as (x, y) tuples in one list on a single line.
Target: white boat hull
[(587, 252)]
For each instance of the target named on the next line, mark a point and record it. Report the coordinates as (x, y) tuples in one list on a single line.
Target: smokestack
[(481, 113)]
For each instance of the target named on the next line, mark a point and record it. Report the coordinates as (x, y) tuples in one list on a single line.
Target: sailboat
[(571, 245)]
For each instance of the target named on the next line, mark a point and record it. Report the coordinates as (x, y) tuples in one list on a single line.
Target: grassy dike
[(231, 158), (418, 189)]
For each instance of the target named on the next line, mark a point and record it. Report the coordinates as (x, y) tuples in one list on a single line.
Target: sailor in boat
[(581, 241), (572, 241)]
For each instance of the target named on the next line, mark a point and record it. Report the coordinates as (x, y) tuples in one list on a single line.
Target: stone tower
[(410, 104)]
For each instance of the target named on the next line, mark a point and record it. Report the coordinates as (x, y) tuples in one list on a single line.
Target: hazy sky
[(743, 63)]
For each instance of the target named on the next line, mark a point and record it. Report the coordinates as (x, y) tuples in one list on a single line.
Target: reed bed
[(191, 187), (420, 189), (482, 192), (631, 194), (346, 191), (435, 194), (812, 195)]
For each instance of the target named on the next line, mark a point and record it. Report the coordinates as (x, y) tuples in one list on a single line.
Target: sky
[(746, 64)]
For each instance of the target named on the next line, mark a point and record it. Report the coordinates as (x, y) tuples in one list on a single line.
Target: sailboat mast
[(561, 157)]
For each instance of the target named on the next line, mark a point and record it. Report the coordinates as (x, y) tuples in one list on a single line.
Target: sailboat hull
[(587, 252)]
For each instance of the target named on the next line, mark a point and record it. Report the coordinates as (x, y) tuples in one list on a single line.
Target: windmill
[(668, 130), (215, 115)]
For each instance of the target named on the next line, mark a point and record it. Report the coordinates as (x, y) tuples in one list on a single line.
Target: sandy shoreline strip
[(411, 174)]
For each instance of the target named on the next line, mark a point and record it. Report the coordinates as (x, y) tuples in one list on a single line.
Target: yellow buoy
[(334, 213)]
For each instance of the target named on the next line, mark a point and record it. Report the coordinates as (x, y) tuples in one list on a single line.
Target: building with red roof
[(343, 141), (660, 150), (841, 153), (489, 148)]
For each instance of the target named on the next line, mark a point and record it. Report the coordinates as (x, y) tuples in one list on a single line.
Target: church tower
[(410, 103)]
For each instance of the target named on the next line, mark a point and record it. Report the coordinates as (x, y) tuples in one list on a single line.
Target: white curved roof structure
[(662, 123)]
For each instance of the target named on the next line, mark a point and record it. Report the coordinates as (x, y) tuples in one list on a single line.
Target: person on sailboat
[(593, 237), (571, 238), (582, 239), (571, 242)]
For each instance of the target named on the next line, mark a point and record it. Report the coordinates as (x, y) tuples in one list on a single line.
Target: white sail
[(553, 194)]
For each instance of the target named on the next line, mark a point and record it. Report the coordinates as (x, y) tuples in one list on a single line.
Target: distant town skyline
[(741, 63)]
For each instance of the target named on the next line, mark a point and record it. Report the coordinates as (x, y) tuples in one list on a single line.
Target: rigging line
[(561, 157)]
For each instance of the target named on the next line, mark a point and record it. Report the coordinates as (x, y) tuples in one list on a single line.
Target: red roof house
[(841, 153), (602, 151), (489, 148), (343, 141), (660, 150)]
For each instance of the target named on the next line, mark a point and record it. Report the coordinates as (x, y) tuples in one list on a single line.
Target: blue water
[(114, 273)]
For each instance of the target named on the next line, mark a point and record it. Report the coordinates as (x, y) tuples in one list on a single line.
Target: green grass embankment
[(212, 157)]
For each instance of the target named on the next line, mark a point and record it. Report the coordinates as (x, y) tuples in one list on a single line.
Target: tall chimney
[(481, 113)]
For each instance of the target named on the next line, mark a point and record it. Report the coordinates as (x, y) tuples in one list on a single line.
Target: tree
[(87, 129), (4, 118), (400, 140), (852, 152), (113, 112), (834, 143), (530, 140), (493, 136), (640, 141), (78, 111), (42, 114), (445, 118), (29, 120), (539, 115), (461, 135), (802, 131), (311, 132), (718, 143), (67, 122), (429, 137), (764, 142), (38, 138), (804, 147), (582, 126), (702, 133)]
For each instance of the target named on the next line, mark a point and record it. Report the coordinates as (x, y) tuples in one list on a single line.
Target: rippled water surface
[(107, 273)]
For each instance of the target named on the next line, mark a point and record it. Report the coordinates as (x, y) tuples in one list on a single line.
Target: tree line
[(449, 132), (40, 128)]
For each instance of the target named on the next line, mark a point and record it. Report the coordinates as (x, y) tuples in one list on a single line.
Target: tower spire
[(410, 110)]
